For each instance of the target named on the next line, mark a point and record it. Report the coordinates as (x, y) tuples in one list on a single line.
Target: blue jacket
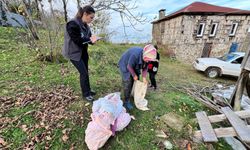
[(132, 57)]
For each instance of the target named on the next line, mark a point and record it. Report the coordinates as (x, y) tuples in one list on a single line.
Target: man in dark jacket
[(152, 70)]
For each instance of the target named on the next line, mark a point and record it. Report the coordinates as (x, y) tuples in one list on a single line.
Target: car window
[(228, 57), (238, 60)]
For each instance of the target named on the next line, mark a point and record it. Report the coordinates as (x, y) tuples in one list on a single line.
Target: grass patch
[(15, 136), (20, 69)]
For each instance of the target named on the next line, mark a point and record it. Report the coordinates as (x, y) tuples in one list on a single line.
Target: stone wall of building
[(180, 35)]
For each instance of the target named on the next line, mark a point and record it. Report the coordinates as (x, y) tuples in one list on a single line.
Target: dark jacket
[(75, 37), (154, 65)]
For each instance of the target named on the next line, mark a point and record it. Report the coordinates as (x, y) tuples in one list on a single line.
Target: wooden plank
[(220, 132), (221, 117), (206, 127), (238, 124)]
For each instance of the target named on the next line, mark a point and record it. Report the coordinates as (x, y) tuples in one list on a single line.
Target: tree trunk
[(65, 10), (52, 44), (78, 4), (38, 16), (31, 23)]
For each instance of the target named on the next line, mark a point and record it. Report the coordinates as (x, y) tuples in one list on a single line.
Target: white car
[(228, 64)]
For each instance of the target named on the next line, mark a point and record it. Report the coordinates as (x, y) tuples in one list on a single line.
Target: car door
[(233, 67)]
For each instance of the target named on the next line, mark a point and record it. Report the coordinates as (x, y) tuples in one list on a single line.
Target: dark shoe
[(128, 105), (89, 98), (93, 93)]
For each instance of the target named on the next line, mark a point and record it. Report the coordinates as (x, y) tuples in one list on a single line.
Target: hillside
[(41, 104)]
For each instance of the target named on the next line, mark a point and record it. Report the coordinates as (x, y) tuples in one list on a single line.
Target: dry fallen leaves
[(49, 114), (24, 128), (2, 142), (65, 137)]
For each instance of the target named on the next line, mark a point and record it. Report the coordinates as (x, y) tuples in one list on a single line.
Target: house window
[(201, 28), (233, 29), (213, 29)]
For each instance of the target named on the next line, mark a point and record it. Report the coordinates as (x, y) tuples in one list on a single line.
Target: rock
[(168, 145), (173, 120)]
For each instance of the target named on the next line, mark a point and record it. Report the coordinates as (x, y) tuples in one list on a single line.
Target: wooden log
[(239, 91), (238, 124), (206, 127)]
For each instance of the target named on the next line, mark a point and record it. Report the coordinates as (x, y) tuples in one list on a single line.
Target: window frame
[(232, 31), (202, 29), (215, 29)]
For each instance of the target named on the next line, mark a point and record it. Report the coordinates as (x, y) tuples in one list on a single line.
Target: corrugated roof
[(204, 8)]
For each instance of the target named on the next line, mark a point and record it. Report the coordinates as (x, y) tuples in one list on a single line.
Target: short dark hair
[(86, 9)]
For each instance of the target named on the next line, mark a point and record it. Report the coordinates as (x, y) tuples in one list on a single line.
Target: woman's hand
[(144, 80), (93, 38), (135, 77)]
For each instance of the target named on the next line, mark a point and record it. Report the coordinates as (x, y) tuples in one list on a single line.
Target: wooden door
[(206, 50)]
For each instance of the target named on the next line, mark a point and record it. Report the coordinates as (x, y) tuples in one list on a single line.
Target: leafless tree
[(53, 28), (126, 9), (78, 3), (30, 21), (100, 24), (37, 10), (65, 10)]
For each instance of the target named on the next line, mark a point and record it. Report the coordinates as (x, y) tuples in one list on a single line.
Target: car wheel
[(213, 72)]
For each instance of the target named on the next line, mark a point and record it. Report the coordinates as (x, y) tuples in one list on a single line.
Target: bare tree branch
[(92, 2), (32, 26), (125, 8), (65, 10)]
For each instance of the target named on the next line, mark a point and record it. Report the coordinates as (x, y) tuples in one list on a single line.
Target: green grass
[(19, 69), (15, 136)]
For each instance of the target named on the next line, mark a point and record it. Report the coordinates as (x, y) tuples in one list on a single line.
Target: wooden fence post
[(242, 80)]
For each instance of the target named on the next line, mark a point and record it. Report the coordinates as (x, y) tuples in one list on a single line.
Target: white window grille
[(213, 29), (201, 28), (233, 29)]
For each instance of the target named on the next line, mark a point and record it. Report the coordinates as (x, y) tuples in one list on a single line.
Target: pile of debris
[(216, 96)]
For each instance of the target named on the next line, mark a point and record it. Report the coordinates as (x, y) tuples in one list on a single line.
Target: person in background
[(153, 69), (77, 36), (130, 64)]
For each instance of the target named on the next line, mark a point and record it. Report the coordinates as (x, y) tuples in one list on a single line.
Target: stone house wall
[(179, 35)]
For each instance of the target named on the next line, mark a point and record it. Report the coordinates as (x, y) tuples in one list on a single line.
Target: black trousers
[(152, 79), (82, 67)]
